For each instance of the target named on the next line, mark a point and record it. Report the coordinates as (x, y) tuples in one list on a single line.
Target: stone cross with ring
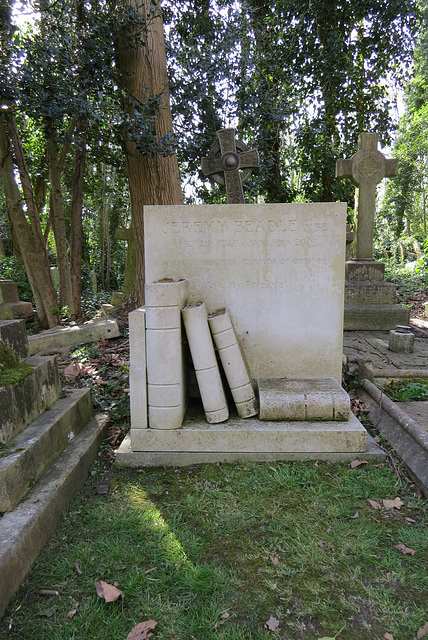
[(365, 170), (225, 161)]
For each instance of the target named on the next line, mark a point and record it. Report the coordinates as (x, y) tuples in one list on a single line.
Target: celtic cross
[(365, 170), (225, 161)]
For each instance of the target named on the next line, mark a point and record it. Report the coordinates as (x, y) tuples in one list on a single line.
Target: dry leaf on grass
[(397, 503), (71, 613), (406, 550), (142, 631), (108, 591), (272, 624), (274, 560), (423, 631), (388, 636), (374, 504), (357, 463)]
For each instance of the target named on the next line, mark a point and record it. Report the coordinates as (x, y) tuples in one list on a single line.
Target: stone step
[(13, 335), (23, 402), (374, 317), (31, 452), (26, 529), (60, 338)]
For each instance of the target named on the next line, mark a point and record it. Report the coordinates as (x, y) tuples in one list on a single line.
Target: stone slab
[(13, 335), (363, 270), (418, 410), (57, 339), (410, 451), (24, 401), (8, 291), (302, 399), (278, 268), (11, 310), (26, 529), (32, 451), (253, 436), (6, 312), (373, 346), (373, 292), (126, 457), (374, 317)]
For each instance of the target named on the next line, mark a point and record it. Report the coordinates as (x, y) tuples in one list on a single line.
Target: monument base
[(246, 440), (374, 317)]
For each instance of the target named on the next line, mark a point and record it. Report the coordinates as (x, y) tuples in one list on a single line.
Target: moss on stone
[(11, 370)]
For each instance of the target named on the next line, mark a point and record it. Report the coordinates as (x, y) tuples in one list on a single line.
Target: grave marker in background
[(370, 302)]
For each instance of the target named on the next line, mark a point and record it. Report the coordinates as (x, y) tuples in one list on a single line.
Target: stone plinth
[(10, 305), (370, 302), (237, 439), (14, 336)]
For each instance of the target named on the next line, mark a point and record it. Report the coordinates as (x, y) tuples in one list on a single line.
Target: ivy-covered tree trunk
[(153, 178), (27, 232)]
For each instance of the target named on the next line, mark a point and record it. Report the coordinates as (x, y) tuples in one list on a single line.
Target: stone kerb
[(278, 268)]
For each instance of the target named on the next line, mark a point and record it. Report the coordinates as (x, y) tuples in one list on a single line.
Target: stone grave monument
[(370, 302), (11, 306), (264, 283)]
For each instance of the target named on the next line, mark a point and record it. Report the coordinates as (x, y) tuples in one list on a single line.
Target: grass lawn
[(254, 551)]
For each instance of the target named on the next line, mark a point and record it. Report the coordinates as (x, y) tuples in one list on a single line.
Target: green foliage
[(403, 391)]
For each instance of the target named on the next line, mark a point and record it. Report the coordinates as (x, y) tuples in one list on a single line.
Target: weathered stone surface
[(13, 335), (32, 451), (137, 369), (361, 270), (374, 292), (374, 317), (24, 401), (400, 342), (278, 268), (302, 399), (6, 312), (27, 528), (126, 457), (57, 339), (8, 291), (253, 436), (365, 170), (117, 298)]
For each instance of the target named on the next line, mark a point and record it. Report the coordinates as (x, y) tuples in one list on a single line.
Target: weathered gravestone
[(279, 271), (11, 306), (369, 301)]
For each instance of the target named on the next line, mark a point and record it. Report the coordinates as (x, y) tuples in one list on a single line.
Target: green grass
[(213, 551), (407, 391)]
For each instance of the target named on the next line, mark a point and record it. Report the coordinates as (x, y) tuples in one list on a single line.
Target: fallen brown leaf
[(71, 613), (388, 636), (142, 631), (397, 503), (274, 560), (357, 463), (73, 370), (272, 624), (410, 520), (406, 550), (77, 569), (108, 591), (423, 631), (374, 504)]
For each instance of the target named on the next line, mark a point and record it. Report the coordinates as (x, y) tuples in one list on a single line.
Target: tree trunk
[(59, 228), (152, 179), (30, 239), (76, 231)]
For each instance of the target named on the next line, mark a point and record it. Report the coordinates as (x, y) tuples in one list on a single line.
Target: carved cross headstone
[(365, 170), (225, 161)]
